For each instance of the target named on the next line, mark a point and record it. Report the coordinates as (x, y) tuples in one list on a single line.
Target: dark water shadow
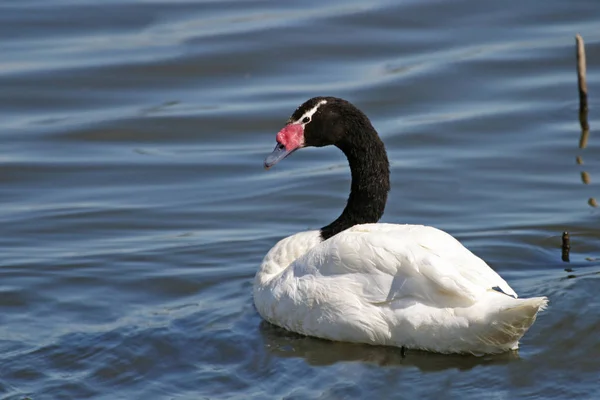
[(319, 352)]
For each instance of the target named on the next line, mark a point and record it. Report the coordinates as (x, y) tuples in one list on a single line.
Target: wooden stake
[(583, 120), (566, 246), (583, 103)]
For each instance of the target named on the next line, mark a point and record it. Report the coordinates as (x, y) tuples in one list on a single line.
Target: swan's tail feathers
[(512, 321)]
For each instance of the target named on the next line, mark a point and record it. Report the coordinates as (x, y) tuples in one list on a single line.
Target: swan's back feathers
[(400, 262)]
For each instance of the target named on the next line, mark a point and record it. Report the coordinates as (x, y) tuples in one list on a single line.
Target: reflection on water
[(315, 352), (583, 142), (585, 178)]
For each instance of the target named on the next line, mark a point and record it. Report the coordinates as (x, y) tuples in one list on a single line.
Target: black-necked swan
[(357, 280)]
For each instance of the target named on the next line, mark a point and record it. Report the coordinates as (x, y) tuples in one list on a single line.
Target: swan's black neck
[(370, 178)]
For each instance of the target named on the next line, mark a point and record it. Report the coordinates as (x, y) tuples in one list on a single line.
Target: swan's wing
[(401, 263), (471, 267)]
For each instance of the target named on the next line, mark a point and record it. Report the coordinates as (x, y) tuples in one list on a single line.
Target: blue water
[(135, 209)]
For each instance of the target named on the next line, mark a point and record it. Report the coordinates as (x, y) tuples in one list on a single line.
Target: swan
[(357, 280)]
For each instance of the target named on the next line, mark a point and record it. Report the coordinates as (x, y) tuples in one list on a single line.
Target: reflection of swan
[(359, 281), (286, 344)]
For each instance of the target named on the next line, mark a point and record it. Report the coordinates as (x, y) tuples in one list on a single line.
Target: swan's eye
[(305, 120)]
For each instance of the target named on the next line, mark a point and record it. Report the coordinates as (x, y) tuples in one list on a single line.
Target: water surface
[(135, 210)]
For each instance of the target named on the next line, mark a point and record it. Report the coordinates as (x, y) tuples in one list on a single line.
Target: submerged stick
[(583, 103)]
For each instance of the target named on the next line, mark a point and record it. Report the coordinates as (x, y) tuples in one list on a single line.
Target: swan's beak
[(278, 154), (289, 139)]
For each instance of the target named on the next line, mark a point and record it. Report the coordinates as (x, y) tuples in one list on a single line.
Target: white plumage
[(402, 285)]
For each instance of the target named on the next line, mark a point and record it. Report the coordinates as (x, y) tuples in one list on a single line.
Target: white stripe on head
[(308, 114)]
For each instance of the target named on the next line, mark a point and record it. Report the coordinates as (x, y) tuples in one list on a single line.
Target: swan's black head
[(320, 121)]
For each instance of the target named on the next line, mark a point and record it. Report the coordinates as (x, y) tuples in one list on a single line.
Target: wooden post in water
[(566, 246), (583, 108), (583, 103)]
